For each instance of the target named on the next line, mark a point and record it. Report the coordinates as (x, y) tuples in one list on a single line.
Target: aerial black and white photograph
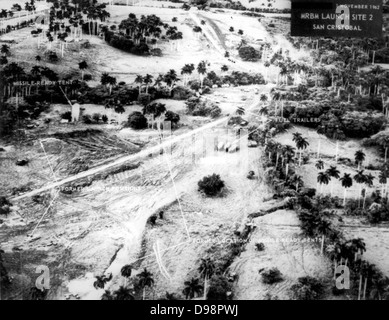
[(194, 150)]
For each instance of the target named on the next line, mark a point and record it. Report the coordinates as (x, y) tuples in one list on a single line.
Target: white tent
[(76, 112)]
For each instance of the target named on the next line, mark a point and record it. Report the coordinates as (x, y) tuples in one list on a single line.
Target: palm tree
[(333, 172), (319, 165), (263, 98), (35, 70), (5, 50), (186, 71), (145, 280), (323, 227), (104, 79), (359, 158), (296, 137), (171, 78), (224, 68), (38, 59), (123, 294), (383, 180), (111, 81), (323, 178), (360, 179), (358, 246), (347, 182), (82, 66), (101, 281), (206, 269), (267, 66), (192, 288), (126, 271), (369, 183), (140, 80), (288, 153), (301, 144), (264, 111), (202, 70), (147, 80), (297, 181)]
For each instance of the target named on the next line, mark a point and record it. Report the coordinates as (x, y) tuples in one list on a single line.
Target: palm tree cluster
[(347, 180), (339, 63), (68, 17), (30, 6), (170, 79), (13, 72), (141, 282), (314, 216), (141, 32), (279, 167), (5, 14)]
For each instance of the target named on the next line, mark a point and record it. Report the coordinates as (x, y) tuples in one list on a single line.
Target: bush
[(212, 77), (313, 111), (191, 104), (156, 109), (211, 185), (195, 85), (173, 117), (260, 246), (144, 99), (51, 56), (67, 116), (219, 288), (3, 60), (243, 78), (272, 276), (104, 118), (137, 121), (87, 119), (378, 213), (307, 288), (215, 112), (96, 117), (123, 43), (248, 53), (156, 52), (361, 125), (87, 77), (4, 206), (182, 93), (196, 107)]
